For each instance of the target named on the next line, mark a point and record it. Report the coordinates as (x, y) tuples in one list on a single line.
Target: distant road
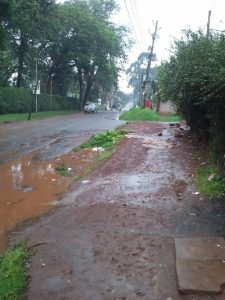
[(52, 137), (128, 106)]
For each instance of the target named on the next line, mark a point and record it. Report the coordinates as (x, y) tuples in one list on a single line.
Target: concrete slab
[(200, 264)]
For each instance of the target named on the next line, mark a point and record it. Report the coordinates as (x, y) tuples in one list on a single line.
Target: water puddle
[(28, 187), (167, 138), (179, 187)]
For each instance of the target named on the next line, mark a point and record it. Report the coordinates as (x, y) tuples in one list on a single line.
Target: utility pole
[(154, 36), (36, 86), (208, 23)]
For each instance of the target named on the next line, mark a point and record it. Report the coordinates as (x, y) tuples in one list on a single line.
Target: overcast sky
[(172, 15)]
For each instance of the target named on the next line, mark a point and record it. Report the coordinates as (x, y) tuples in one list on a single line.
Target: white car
[(90, 108)]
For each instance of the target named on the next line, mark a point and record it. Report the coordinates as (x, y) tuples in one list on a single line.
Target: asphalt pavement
[(52, 137)]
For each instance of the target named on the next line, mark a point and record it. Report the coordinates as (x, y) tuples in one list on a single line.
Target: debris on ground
[(113, 238)]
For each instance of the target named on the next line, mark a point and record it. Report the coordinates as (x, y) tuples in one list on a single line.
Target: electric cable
[(132, 25), (136, 17)]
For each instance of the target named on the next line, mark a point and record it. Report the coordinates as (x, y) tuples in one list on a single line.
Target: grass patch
[(146, 114), (13, 276), (34, 116), (63, 171), (140, 114), (103, 156), (209, 182), (169, 118), (105, 140)]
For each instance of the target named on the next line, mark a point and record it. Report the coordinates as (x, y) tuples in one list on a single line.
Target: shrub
[(18, 100), (193, 79)]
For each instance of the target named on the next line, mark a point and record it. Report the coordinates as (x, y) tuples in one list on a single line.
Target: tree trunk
[(31, 107), (21, 57), (81, 89), (48, 85), (88, 89)]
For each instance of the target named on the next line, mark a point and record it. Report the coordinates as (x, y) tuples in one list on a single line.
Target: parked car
[(90, 108)]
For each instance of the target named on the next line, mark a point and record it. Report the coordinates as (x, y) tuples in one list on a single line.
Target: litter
[(98, 149), (211, 177), (85, 181)]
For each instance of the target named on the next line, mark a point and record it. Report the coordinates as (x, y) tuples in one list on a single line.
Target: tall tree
[(28, 18), (90, 47), (137, 70), (5, 12)]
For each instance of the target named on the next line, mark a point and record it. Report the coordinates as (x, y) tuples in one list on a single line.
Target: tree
[(5, 12), (26, 30), (90, 47), (137, 71), (80, 50)]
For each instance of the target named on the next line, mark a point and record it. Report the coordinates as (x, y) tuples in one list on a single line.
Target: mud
[(29, 187), (112, 236)]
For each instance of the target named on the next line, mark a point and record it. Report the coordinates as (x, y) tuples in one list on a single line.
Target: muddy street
[(112, 235), (29, 154)]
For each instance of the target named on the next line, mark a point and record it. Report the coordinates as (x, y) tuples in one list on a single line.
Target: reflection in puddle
[(28, 187)]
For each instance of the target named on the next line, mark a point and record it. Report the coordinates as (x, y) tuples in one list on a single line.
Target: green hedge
[(18, 100)]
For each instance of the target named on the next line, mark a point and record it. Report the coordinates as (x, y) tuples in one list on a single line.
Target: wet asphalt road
[(52, 137)]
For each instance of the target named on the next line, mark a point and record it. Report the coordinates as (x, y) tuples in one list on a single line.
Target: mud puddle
[(29, 186)]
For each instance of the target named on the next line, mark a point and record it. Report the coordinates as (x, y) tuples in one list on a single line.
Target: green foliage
[(193, 79), (137, 70), (209, 181), (103, 156), (140, 114), (63, 171), (169, 118), (14, 100), (81, 51), (5, 13), (13, 277), (106, 140), (35, 116)]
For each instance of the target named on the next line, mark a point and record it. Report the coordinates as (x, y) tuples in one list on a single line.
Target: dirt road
[(112, 235)]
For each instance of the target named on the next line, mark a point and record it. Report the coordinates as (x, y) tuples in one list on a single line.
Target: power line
[(131, 22), (137, 19)]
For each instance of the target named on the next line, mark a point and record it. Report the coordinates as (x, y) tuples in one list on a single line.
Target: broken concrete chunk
[(199, 264)]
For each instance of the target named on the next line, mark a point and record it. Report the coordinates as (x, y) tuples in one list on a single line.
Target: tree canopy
[(137, 71), (74, 45)]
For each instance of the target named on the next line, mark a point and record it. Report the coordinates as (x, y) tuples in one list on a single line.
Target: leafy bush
[(193, 80), (106, 139), (14, 100)]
